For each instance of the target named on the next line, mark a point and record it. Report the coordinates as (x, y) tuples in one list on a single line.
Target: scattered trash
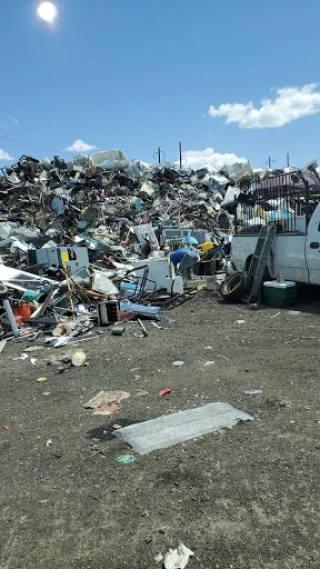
[(240, 321), (165, 391), (33, 361), (178, 558), (254, 392), (42, 379), (275, 315), (143, 328), (172, 429), (159, 558), (49, 443), (6, 428), (106, 402), (209, 363), (293, 312), (178, 363), (117, 331), (78, 359), (125, 458)]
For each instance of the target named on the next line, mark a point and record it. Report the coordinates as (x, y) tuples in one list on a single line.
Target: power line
[(31, 144)]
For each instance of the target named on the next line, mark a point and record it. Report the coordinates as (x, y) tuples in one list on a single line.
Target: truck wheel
[(234, 287)]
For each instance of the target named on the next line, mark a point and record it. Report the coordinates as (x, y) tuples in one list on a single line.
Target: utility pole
[(269, 162), (158, 155), (288, 160), (180, 155)]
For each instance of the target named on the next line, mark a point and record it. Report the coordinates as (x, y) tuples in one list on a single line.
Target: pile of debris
[(87, 242), (92, 196), (77, 237)]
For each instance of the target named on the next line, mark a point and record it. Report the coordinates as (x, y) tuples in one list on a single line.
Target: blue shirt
[(176, 256)]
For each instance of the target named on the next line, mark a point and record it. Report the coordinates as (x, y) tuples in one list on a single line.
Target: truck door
[(313, 247)]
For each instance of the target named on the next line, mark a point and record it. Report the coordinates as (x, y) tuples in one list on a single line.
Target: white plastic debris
[(178, 558), (294, 312), (111, 159), (178, 363)]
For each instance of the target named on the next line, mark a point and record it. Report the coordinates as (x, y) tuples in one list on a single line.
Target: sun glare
[(47, 11)]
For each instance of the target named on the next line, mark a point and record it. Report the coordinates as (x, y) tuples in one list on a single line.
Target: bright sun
[(47, 11)]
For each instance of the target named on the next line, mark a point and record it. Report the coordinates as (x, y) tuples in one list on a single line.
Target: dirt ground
[(242, 498)]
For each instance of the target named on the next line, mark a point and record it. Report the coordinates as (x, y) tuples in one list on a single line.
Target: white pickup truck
[(296, 255)]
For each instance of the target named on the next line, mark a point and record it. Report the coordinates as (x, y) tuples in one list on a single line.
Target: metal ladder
[(259, 260)]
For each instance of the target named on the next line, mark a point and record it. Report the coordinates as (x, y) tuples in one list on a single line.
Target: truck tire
[(235, 287)]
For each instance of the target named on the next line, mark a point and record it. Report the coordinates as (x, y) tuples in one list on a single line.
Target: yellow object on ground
[(207, 246)]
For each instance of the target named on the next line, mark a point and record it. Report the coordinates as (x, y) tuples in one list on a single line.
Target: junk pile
[(87, 243)]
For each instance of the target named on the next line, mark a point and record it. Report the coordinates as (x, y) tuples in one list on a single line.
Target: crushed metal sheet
[(170, 430)]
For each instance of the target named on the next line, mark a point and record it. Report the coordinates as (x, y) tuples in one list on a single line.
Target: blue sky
[(141, 74)]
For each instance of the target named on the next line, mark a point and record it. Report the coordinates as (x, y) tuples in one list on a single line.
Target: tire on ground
[(235, 287)]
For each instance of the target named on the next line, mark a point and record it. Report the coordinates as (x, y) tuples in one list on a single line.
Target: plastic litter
[(106, 402), (178, 558), (254, 392), (125, 459), (178, 363), (165, 391)]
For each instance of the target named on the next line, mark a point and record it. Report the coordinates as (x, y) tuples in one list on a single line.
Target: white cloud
[(80, 146), (4, 155), (197, 159), (14, 120), (289, 104)]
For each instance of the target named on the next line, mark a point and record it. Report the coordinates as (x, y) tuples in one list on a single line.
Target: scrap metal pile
[(77, 235), (58, 199)]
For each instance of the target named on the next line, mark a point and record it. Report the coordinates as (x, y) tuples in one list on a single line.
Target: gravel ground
[(242, 498)]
